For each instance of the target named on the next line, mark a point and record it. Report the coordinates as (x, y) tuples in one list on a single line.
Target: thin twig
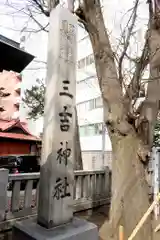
[(133, 87), (38, 23), (40, 6), (130, 29)]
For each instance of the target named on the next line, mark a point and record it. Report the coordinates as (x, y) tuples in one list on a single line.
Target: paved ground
[(97, 216)]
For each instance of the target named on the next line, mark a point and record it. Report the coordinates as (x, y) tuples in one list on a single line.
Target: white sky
[(13, 21)]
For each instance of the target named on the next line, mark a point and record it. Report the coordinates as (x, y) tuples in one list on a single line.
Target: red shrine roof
[(7, 130)]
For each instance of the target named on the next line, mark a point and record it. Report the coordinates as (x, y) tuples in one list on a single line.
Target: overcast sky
[(12, 21)]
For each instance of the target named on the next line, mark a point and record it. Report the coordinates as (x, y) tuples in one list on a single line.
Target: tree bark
[(150, 106), (129, 190), (130, 198)]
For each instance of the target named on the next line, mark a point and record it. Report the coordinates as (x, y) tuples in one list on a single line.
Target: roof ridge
[(9, 124)]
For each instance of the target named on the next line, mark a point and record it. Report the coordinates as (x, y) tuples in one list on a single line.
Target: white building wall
[(87, 83), (87, 89), (93, 160), (88, 115)]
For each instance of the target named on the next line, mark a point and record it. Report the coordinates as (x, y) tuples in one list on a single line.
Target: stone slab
[(3, 192), (78, 229), (58, 145)]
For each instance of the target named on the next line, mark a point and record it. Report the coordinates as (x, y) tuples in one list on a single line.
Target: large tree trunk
[(130, 198), (129, 190)]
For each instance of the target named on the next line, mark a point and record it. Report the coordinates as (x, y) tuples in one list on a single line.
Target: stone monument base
[(78, 229)]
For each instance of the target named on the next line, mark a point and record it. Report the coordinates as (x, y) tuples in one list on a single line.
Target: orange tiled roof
[(6, 125), (19, 136)]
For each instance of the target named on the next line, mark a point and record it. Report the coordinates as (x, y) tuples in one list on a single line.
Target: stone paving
[(97, 216)]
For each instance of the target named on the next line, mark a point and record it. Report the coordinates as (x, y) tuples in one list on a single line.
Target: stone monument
[(55, 213)]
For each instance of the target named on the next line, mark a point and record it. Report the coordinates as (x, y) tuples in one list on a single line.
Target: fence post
[(107, 182), (3, 192)]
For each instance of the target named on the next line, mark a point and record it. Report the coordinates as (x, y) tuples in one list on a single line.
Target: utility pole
[(103, 142)]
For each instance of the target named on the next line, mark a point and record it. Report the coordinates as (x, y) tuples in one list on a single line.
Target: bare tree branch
[(134, 86), (37, 22), (40, 5), (129, 34)]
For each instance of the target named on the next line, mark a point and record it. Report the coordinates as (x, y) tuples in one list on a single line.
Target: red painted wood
[(14, 147)]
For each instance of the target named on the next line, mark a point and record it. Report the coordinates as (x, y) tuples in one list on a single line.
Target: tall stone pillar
[(55, 214), (59, 122)]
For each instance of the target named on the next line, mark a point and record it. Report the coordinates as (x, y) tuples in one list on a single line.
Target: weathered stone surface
[(3, 192), (77, 229), (55, 208), (57, 178)]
